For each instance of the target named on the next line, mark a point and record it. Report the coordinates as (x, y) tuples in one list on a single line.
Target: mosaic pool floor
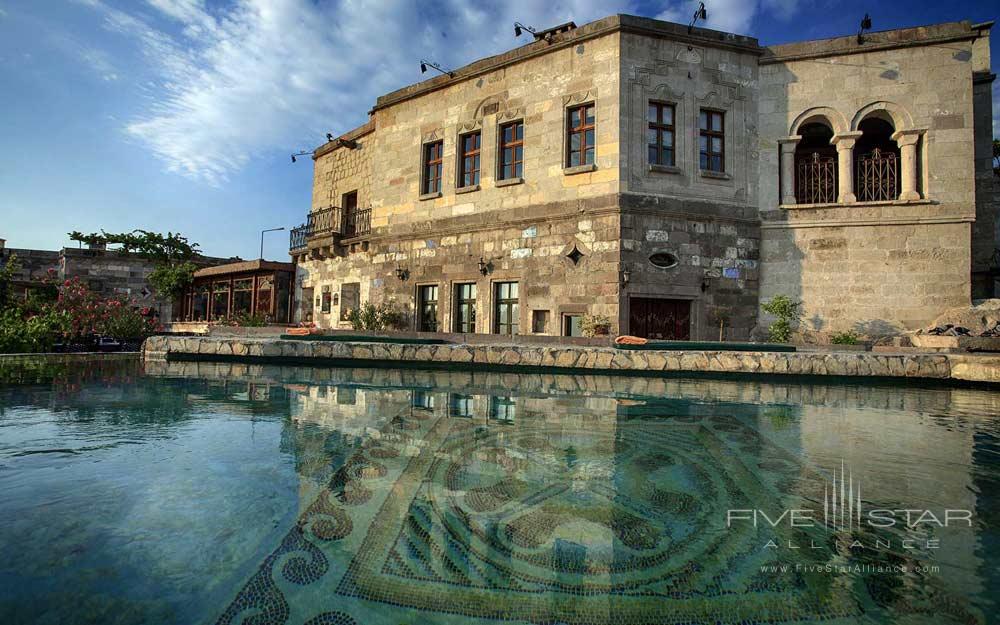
[(290, 496)]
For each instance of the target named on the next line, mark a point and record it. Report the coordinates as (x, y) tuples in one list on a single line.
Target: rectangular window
[(423, 400), (506, 311), (502, 408), (539, 321), (571, 325), (465, 308), (511, 151), (580, 136), (347, 395), (433, 158), (468, 159), (220, 300), (242, 295), (712, 141), (350, 298), (660, 135), (460, 405), (327, 300), (427, 298)]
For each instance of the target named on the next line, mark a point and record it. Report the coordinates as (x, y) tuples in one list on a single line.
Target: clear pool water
[(200, 493)]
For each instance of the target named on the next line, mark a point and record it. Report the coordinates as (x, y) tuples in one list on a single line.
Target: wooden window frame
[(429, 159), (513, 145), (422, 304), (459, 302), (581, 130), (476, 153), (661, 128), (710, 134), (513, 323)]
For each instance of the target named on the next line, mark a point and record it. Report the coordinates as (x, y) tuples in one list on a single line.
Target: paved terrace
[(575, 359)]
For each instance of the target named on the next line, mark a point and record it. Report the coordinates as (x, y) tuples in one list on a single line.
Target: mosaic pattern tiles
[(579, 521)]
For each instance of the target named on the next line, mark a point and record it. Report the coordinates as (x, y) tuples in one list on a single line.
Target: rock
[(981, 316)]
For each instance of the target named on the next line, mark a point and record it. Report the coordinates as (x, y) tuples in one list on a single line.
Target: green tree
[(7, 272), (171, 255), (787, 311)]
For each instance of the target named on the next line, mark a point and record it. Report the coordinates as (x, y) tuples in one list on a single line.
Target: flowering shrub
[(76, 314), (245, 320)]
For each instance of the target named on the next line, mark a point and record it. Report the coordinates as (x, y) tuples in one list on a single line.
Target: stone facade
[(877, 267), (582, 240)]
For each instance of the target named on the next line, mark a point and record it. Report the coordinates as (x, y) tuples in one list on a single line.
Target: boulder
[(981, 316)]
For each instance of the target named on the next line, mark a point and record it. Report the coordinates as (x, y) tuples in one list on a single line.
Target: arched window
[(876, 161), (815, 165)]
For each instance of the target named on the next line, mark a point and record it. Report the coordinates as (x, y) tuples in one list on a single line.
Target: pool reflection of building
[(458, 491)]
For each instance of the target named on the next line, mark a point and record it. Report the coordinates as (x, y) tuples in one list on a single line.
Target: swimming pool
[(207, 493)]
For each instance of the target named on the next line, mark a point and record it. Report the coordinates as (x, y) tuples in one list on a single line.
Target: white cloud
[(733, 16), (274, 75)]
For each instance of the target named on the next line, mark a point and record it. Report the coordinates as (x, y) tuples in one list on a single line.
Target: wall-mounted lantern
[(401, 273), (626, 276), (484, 266)]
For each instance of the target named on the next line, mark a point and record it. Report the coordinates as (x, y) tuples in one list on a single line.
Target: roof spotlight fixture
[(329, 137), (424, 64), (302, 153), (519, 28), (866, 24), (699, 14)]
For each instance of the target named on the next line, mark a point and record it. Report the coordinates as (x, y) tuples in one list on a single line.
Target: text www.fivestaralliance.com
[(852, 568)]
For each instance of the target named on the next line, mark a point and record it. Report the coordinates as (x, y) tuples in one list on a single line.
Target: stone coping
[(574, 359)]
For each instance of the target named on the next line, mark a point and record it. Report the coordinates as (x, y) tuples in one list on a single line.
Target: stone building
[(667, 178), (105, 272)]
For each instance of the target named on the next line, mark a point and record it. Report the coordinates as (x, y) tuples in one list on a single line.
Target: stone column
[(787, 146), (907, 142), (845, 166)]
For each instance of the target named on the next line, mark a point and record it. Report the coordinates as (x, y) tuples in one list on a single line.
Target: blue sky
[(181, 114)]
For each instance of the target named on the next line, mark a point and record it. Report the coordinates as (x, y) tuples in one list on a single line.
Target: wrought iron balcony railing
[(331, 220), (297, 238), (816, 179), (357, 222), (877, 176)]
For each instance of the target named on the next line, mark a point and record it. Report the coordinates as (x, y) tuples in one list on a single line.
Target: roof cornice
[(593, 30)]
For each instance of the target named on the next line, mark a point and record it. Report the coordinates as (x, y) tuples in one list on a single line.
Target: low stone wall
[(576, 359)]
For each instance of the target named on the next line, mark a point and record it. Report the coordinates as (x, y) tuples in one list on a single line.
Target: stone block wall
[(340, 170), (522, 245), (870, 280), (537, 90), (717, 262), (874, 266), (721, 77)]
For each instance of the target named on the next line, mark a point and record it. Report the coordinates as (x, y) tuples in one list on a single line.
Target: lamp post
[(262, 239)]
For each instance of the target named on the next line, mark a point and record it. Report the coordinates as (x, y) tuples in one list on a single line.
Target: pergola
[(248, 287)]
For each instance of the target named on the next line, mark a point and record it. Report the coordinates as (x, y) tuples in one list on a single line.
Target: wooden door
[(654, 318)]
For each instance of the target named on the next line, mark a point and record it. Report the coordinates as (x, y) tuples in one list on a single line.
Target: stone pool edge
[(575, 359)]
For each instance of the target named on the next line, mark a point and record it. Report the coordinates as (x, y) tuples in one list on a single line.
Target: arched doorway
[(876, 161), (815, 165)]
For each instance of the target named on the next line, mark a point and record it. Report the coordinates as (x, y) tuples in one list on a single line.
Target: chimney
[(3, 243)]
